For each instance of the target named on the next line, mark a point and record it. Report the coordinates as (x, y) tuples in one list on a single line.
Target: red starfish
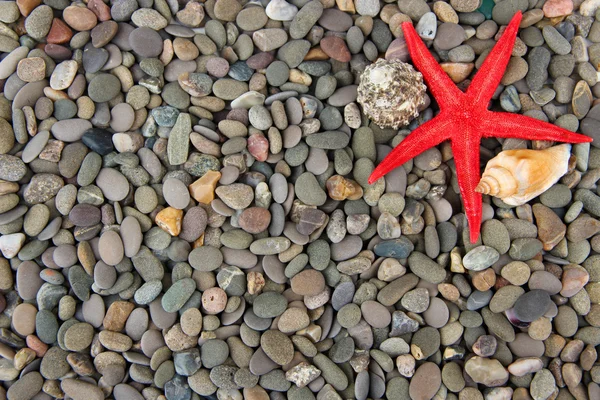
[(464, 118)]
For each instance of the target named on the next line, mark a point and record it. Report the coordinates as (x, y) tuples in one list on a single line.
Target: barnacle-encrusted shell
[(517, 176), (390, 93)]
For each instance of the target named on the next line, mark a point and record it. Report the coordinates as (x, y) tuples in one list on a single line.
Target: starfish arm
[(466, 159), (426, 136), (509, 125), (441, 86), (490, 74)]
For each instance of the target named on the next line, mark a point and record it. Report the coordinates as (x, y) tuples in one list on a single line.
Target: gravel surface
[(185, 212)]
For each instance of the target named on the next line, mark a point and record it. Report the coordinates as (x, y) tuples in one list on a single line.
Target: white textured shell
[(517, 176), (391, 92)]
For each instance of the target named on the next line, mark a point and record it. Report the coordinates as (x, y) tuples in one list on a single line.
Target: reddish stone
[(99, 8), (335, 48), (258, 146), (260, 60), (309, 282), (500, 283), (255, 219), (557, 8), (79, 18), (27, 6), (574, 278), (35, 344), (59, 32)]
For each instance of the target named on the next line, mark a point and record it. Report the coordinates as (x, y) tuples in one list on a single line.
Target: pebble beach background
[(185, 213)]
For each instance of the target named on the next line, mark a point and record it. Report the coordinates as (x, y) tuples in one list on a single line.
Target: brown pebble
[(23, 358), (309, 282), (116, 315), (27, 6), (59, 32), (80, 18), (255, 219), (426, 382), (484, 280), (336, 48), (458, 72), (23, 321), (36, 345), (31, 69), (99, 8), (256, 282)]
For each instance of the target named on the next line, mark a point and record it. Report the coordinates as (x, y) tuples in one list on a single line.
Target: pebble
[(277, 346), (486, 371), (531, 305), (426, 381), (480, 258), (281, 10)]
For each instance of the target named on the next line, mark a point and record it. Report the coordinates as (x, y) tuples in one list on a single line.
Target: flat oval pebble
[(176, 193), (532, 305), (375, 314), (70, 130), (110, 248), (308, 283), (113, 184), (277, 346)]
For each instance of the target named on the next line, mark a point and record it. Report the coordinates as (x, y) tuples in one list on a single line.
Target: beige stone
[(203, 190)]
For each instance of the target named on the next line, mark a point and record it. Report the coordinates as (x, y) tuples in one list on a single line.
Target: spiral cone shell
[(517, 176)]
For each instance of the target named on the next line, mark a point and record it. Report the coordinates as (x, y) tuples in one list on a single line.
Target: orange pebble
[(34, 343)]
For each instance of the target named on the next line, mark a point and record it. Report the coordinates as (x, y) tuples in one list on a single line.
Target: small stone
[(308, 283), (281, 10), (203, 190), (237, 196), (486, 371), (582, 99), (335, 48), (425, 382), (557, 8), (302, 374), (485, 346), (480, 258), (543, 385), (574, 278), (258, 146), (340, 188), (532, 305), (192, 14), (277, 346), (31, 69), (255, 219), (214, 300), (170, 220)]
